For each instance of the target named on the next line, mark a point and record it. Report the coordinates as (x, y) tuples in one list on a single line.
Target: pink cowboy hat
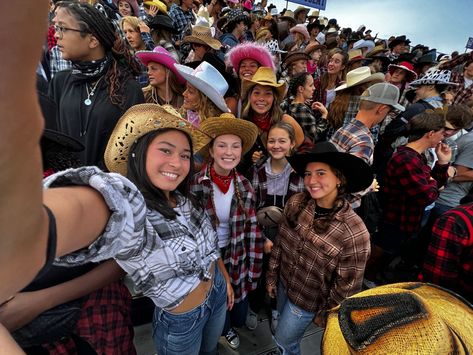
[(133, 4), (161, 56), (250, 50), (302, 29), (411, 75)]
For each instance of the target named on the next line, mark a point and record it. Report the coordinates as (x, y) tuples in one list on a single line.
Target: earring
[(338, 186)]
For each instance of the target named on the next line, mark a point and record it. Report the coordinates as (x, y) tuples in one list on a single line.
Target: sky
[(442, 24)]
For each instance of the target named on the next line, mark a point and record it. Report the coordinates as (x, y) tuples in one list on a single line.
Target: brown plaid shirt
[(319, 271)]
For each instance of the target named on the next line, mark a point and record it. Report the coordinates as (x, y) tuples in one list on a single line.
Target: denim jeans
[(196, 331), (293, 321)]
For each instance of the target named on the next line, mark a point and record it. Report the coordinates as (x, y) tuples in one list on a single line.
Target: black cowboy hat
[(356, 171), (163, 22), (398, 40)]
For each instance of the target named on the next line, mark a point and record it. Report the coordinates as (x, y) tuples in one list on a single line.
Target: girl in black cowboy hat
[(322, 247)]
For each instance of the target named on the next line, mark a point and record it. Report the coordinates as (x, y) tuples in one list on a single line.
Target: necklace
[(90, 94)]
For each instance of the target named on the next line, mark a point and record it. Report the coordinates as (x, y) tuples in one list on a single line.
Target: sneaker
[(369, 284), (233, 339), (274, 321), (251, 320)]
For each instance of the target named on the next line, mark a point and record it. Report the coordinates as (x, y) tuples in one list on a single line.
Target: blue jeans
[(196, 331), (293, 321)]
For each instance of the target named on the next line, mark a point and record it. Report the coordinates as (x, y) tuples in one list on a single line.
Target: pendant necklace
[(90, 94)]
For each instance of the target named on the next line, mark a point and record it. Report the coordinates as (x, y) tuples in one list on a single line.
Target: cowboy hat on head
[(139, 120), (434, 77), (162, 22), (264, 76), (313, 47), (292, 57), (250, 50), (159, 4), (227, 123), (133, 4), (208, 81), (363, 43), (314, 13), (301, 9), (407, 67), (355, 55), (235, 16), (360, 76), (398, 40), (302, 29), (356, 171), (288, 16), (203, 35), (402, 318), (261, 33), (379, 49), (161, 56)]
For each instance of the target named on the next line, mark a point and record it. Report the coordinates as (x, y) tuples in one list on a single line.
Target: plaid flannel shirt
[(314, 127), (462, 93), (181, 20), (408, 188), (449, 258), (355, 138), (319, 271), (245, 236), (51, 39)]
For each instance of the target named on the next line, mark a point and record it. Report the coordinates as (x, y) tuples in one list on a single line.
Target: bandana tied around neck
[(222, 182)]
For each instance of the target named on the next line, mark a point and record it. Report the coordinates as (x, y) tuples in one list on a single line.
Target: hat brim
[(68, 142), (411, 75), (247, 84), (357, 173), (206, 88), (139, 120), (372, 77), (249, 50), (164, 22), (291, 58), (218, 126), (211, 42), (165, 59)]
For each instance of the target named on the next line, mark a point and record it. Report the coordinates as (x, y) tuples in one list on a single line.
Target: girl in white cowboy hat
[(204, 94), (274, 182), (322, 247), (262, 96), (228, 198)]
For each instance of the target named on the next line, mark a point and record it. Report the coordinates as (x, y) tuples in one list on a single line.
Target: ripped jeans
[(293, 321)]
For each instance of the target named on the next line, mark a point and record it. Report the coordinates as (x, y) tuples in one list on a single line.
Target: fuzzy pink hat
[(250, 50)]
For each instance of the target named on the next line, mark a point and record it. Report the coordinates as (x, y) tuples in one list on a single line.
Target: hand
[(321, 108), (230, 296), (271, 291), (268, 246), (21, 310), (256, 156), (144, 27), (153, 10), (444, 153), (375, 185)]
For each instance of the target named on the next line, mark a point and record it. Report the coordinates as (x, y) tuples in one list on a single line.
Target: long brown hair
[(275, 111)]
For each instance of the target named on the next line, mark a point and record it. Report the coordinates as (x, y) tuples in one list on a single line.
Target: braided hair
[(123, 65), (298, 80)]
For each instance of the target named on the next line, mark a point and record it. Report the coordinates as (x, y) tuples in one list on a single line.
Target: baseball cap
[(383, 93)]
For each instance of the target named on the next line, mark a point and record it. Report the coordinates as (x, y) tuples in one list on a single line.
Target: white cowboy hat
[(208, 81)]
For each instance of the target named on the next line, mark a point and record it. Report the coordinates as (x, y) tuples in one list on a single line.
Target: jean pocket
[(180, 324)]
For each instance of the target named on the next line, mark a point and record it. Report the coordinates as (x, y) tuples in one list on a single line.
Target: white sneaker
[(251, 320), (274, 320), (233, 339)]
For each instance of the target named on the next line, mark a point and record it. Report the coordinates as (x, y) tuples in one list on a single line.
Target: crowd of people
[(228, 158)]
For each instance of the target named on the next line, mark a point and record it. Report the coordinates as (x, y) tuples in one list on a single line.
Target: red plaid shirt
[(449, 259), (51, 39), (244, 255), (462, 94), (408, 188)]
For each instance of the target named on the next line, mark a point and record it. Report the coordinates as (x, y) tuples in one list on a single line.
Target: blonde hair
[(132, 21), (206, 108)]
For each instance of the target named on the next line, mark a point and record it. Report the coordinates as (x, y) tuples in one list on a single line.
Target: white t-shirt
[(223, 204)]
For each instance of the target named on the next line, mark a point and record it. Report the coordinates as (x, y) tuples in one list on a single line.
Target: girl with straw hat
[(322, 247), (229, 201), (149, 224), (262, 96)]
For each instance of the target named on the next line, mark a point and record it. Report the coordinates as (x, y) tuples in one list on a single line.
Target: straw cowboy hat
[(314, 13), (161, 56), (435, 76), (250, 50), (302, 29), (208, 81), (139, 120), (261, 33), (357, 172), (264, 76), (379, 49), (288, 16), (355, 55), (407, 67), (301, 9), (160, 5), (227, 123), (402, 318), (359, 76), (203, 35)]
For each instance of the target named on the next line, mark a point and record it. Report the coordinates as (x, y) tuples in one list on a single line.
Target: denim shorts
[(196, 331)]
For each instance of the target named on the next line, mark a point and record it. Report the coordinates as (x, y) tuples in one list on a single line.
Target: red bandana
[(262, 121), (222, 182)]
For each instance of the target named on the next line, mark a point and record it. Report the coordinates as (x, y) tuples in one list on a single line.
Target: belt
[(197, 296)]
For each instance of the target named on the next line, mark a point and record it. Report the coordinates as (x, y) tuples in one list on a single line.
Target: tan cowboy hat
[(261, 33), (264, 76), (139, 120), (203, 35), (376, 50), (314, 13), (355, 55), (227, 123), (359, 76), (403, 318), (289, 16)]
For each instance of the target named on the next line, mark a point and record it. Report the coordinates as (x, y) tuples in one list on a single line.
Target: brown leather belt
[(197, 296)]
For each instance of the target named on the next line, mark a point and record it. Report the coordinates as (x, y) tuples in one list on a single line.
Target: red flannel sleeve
[(451, 64)]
